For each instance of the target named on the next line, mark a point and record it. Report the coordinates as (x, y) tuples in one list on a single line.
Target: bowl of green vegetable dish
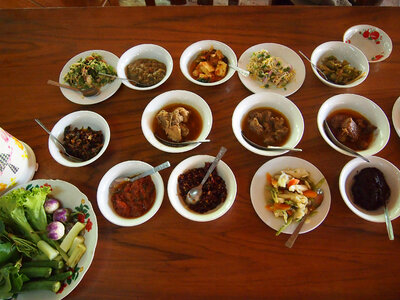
[(48, 236)]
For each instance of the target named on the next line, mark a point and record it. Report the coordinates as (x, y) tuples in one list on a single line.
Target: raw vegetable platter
[(70, 197)]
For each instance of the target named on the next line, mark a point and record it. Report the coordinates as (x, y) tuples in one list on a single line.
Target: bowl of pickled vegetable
[(344, 65)]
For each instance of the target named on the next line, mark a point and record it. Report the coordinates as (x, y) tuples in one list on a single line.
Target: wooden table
[(236, 256)]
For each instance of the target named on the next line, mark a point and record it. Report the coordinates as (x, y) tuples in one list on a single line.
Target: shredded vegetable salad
[(84, 74), (270, 69), (291, 193)]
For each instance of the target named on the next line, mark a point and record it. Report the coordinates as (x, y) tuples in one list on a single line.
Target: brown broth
[(195, 123), (258, 138), (366, 134)]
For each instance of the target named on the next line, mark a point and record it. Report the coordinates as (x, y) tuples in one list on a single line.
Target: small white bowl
[(371, 111), (191, 52), (392, 175), (277, 102), (171, 97), (371, 40), (149, 51), (198, 161), (78, 119), (124, 169), (341, 51)]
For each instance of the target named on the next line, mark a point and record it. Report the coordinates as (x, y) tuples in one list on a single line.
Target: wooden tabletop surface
[(236, 256)]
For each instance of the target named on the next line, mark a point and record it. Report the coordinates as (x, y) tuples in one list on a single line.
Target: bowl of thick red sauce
[(130, 203)]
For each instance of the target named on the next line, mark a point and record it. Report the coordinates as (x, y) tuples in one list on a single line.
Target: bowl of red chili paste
[(219, 191), (131, 203)]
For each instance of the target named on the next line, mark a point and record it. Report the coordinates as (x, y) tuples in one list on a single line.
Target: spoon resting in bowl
[(193, 196), (240, 70), (269, 148), (85, 92), (138, 84), (334, 140), (314, 66), (179, 144)]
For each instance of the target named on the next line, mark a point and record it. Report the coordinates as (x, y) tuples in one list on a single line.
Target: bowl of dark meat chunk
[(267, 119), (174, 118), (366, 187), (147, 66), (84, 134), (218, 193), (356, 122)]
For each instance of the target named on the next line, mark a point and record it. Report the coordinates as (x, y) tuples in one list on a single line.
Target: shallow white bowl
[(78, 119), (277, 102), (149, 51), (124, 169), (371, 111), (198, 161), (191, 52), (396, 116), (341, 51), (371, 40), (171, 97), (259, 196), (392, 175)]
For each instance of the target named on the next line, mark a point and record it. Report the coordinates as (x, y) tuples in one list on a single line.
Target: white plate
[(396, 116), (259, 196), (70, 197), (288, 55), (106, 91), (372, 41)]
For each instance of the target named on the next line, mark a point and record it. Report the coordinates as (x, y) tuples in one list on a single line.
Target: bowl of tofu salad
[(48, 236), (285, 190)]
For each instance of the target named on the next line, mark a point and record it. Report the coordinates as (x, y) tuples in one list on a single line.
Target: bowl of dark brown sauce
[(147, 66), (267, 119), (175, 117), (366, 187), (356, 122)]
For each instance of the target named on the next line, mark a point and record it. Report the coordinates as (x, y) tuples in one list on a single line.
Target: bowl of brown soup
[(356, 122), (365, 187), (175, 117), (267, 119), (219, 191), (148, 65)]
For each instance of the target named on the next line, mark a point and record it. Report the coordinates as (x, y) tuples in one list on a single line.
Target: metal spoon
[(269, 148), (117, 181), (86, 92), (138, 84), (314, 66), (314, 205), (339, 144), (240, 70), (180, 144), (193, 196), (63, 150), (389, 226)]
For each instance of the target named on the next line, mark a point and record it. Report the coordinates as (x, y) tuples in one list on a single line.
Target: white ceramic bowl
[(198, 161), (124, 169), (277, 102), (78, 119), (149, 51), (371, 111), (341, 51), (371, 40), (191, 52), (392, 175), (171, 97)]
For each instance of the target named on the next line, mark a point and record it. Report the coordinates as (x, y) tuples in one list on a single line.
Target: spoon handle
[(49, 132), (289, 243), (151, 171), (120, 78), (55, 83), (240, 70), (388, 224), (339, 144), (214, 164)]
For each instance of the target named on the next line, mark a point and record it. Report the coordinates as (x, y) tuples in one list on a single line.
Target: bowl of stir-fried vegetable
[(344, 65)]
